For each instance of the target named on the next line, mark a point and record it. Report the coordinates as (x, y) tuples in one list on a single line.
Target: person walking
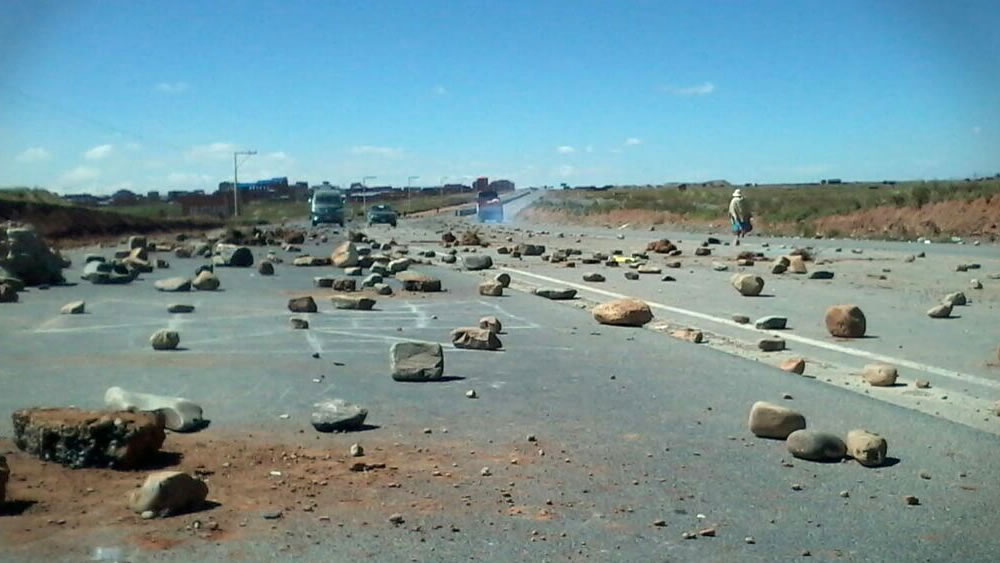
[(739, 216)]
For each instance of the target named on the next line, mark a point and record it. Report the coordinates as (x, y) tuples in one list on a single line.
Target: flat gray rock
[(349, 302), (173, 284), (179, 414), (816, 446), (477, 262), (416, 361), (180, 308), (337, 415), (555, 294), (771, 322)]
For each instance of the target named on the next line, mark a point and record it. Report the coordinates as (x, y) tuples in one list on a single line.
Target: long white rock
[(179, 414)]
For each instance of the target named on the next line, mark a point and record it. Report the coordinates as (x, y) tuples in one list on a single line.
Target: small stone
[(768, 420), (796, 487), (976, 284), (955, 299), (771, 322), (689, 334), (485, 472), (747, 285), (73, 308), (471, 393), (741, 319), (147, 515), (868, 448), (922, 384), (302, 304), (491, 324), (845, 494), (593, 277), (165, 339), (939, 312), (845, 321), (491, 289), (749, 540), (298, 324), (357, 450), (794, 365), (688, 536), (880, 375), (816, 446), (925, 475), (396, 519), (169, 492), (180, 308), (707, 533), (771, 344), (659, 523), (911, 500)]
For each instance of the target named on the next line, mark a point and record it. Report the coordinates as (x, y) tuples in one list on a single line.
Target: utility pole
[(409, 206), (236, 189)]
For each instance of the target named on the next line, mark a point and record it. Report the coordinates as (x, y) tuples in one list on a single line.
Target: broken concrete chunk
[(846, 321), (768, 420), (304, 304), (345, 255), (337, 415), (416, 361), (73, 308), (623, 312), (166, 493), (179, 414), (79, 438), (868, 448), (816, 446)]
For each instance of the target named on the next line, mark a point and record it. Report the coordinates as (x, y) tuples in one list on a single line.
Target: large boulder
[(304, 304), (206, 281), (166, 493), (178, 414), (556, 294), (234, 256), (623, 312), (475, 338), (868, 448), (846, 321), (165, 339), (816, 446), (173, 284), (80, 438), (345, 255), (768, 420), (25, 256), (416, 361), (413, 281), (337, 415), (939, 312), (748, 285), (477, 262)]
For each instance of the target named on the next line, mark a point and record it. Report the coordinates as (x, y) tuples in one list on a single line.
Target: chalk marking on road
[(899, 362), (506, 314)]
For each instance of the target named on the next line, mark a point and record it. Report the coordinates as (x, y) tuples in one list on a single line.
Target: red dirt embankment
[(976, 218), (59, 223)]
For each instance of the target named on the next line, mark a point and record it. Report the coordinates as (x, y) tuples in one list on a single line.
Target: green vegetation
[(776, 204), (31, 195)]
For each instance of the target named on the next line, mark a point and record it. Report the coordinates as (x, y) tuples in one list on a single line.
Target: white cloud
[(98, 152), (565, 149), (702, 89), (33, 154), (440, 90), (632, 141), (172, 87), (215, 150), (389, 152), (278, 155), (566, 170), (80, 174), (187, 179)]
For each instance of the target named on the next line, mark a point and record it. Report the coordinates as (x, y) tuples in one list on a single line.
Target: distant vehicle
[(327, 206), (489, 207), (382, 214)]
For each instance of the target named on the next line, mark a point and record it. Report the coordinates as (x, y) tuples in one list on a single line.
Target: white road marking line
[(509, 315), (899, 362)]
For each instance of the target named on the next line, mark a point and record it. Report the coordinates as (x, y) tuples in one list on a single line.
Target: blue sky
[(97, 96)]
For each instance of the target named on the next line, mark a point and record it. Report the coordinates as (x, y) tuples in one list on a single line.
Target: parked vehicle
[(327, 206), (489, 207), (382, 214)]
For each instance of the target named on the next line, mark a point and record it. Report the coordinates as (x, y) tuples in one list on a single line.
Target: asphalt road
[(635, 426)]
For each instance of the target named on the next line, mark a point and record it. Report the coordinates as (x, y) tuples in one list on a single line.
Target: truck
[(489, 207), (327, 206)]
